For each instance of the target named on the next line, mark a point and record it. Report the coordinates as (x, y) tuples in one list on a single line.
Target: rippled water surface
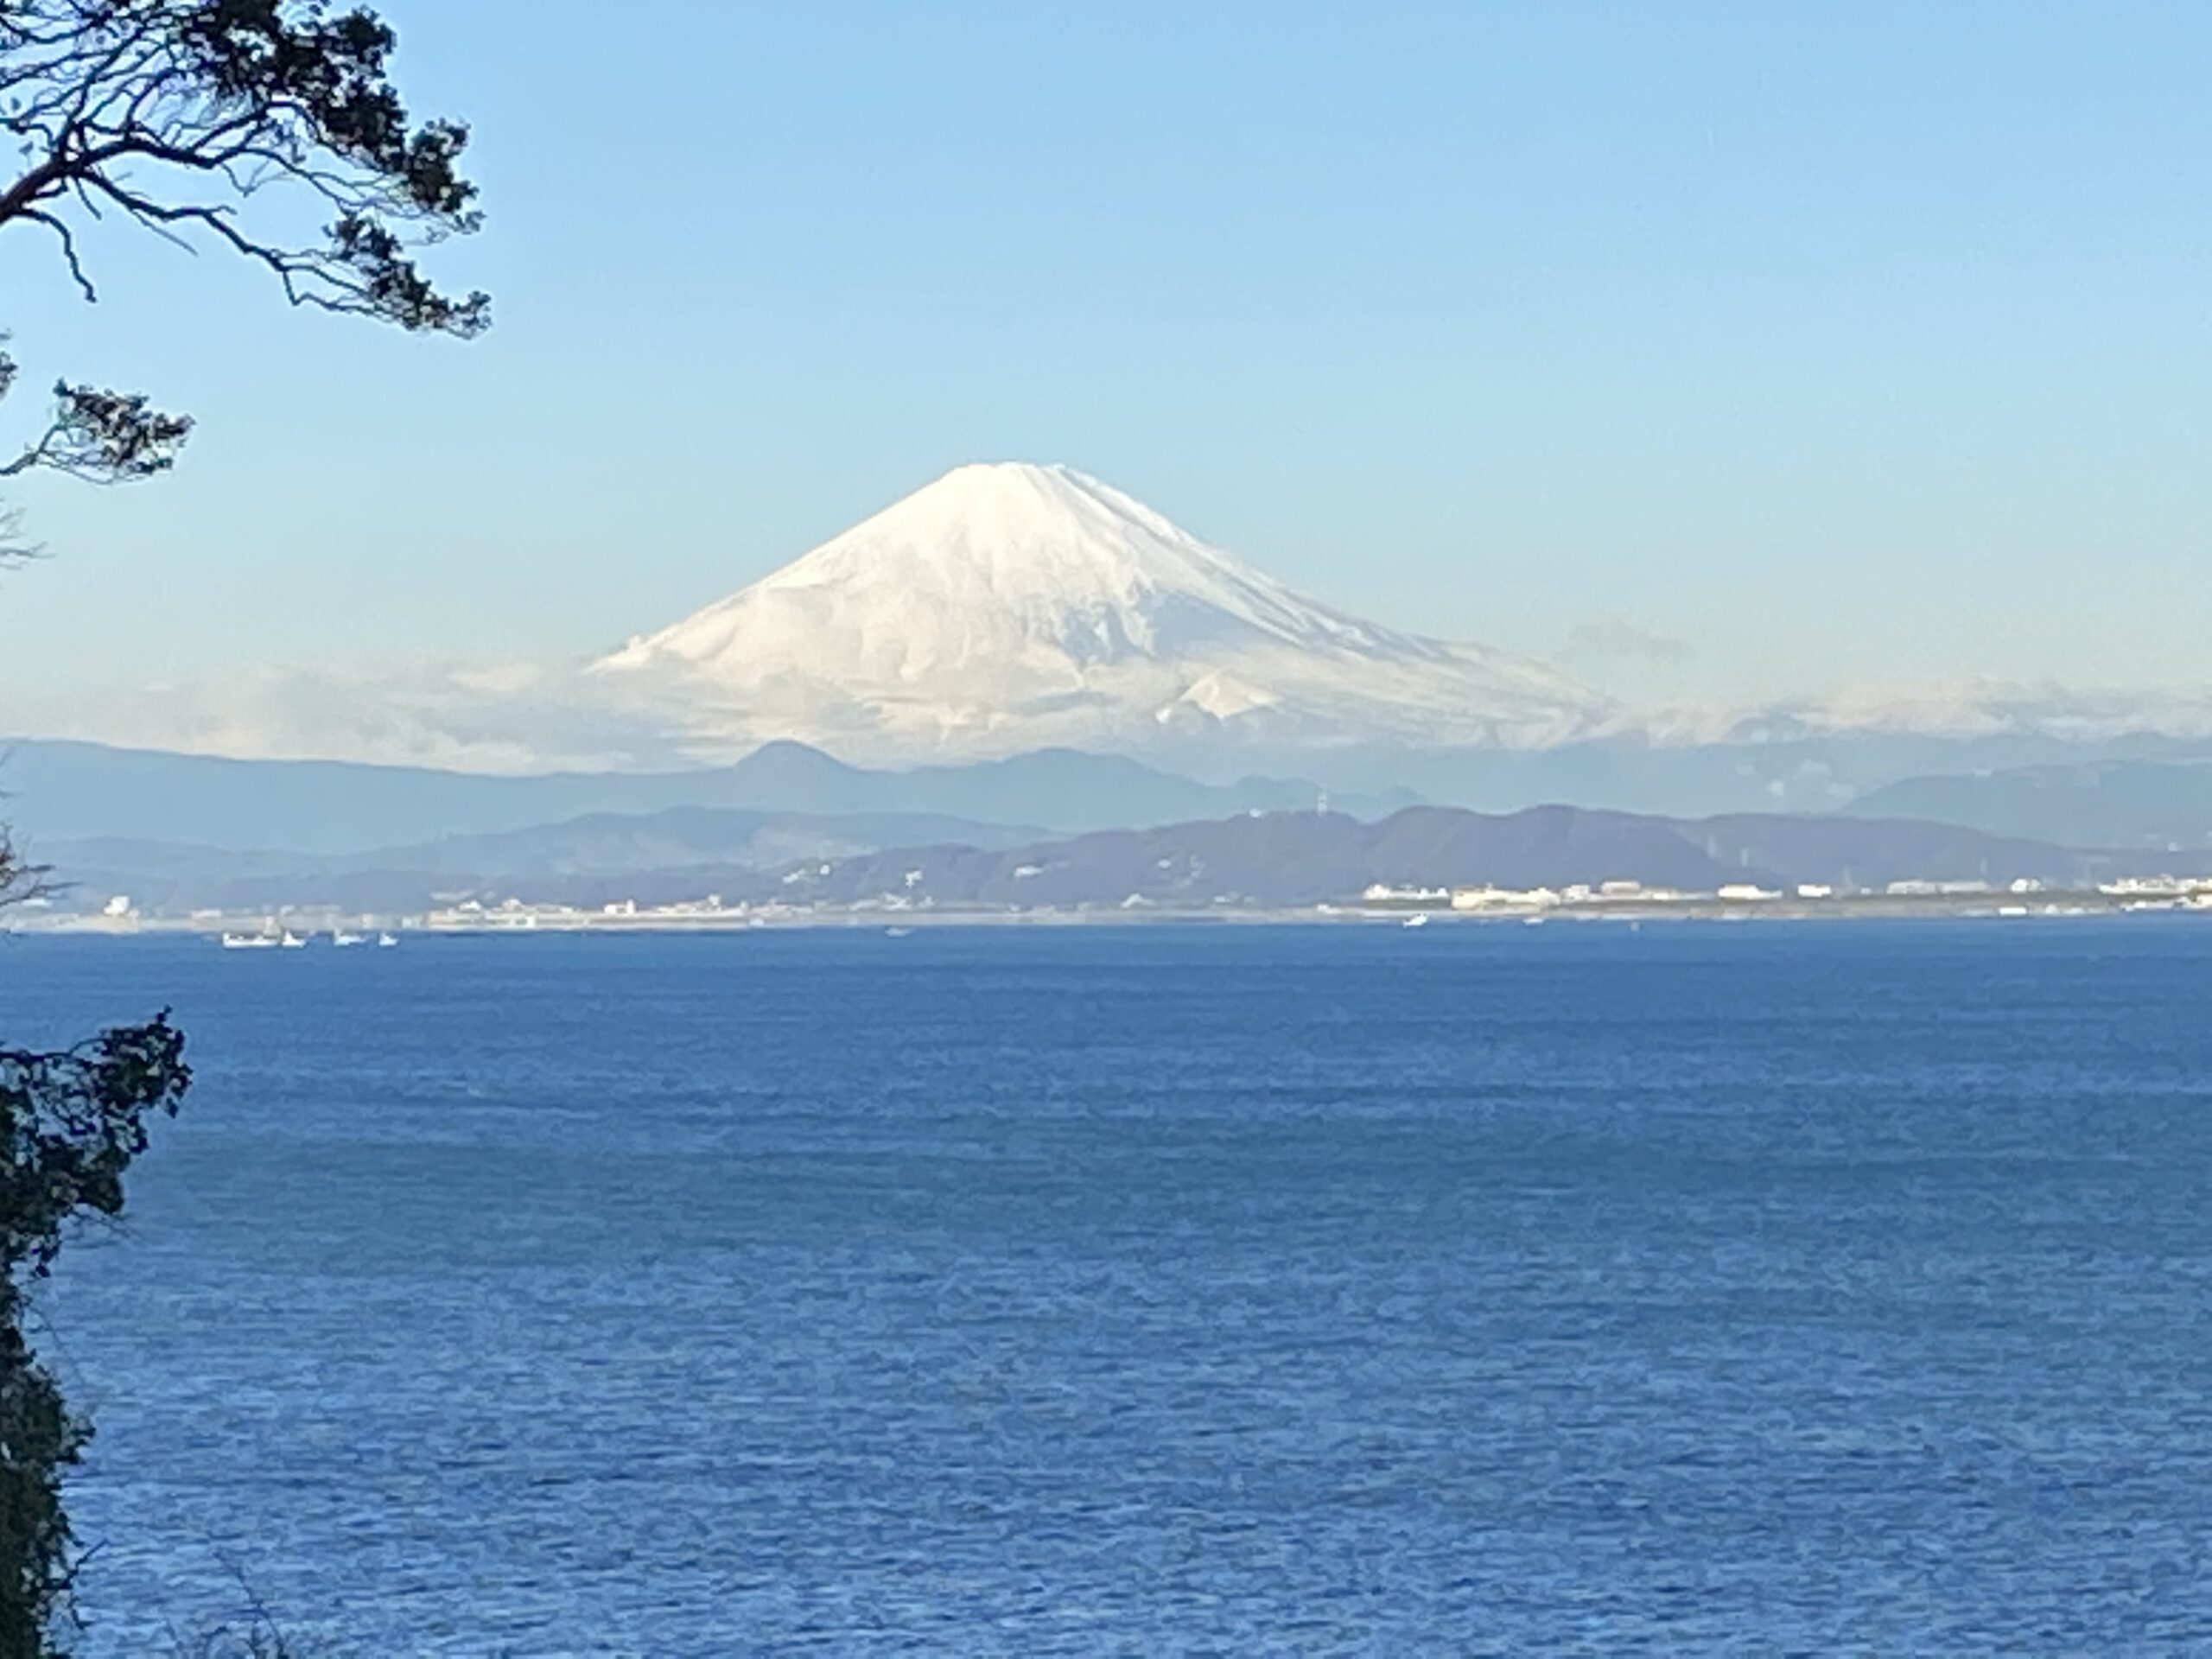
[(1160, 1290)]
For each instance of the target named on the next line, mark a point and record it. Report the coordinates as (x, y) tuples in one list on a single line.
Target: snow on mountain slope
[(1011, 606)]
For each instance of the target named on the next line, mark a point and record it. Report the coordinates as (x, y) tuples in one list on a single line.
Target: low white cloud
[(465, 717)]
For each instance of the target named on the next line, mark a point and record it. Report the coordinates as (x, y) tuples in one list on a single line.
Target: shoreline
[(316, 925)]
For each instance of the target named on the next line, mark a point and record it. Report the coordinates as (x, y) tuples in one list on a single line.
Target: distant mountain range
[(1306, 858), (62, 792), (1256, 858), (1778, 769), (665, 847), (2150, 797), (2140, 804)]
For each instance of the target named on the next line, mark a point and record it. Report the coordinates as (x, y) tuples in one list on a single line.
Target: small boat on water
[(1419, 920), (385, 941), (896, 932), (250, 941), (340, 938), (291, 941)]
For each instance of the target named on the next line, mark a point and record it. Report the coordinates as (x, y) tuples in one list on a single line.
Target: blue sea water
[(1157, 1290)]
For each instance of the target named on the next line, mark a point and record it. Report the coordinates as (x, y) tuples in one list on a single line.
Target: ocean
[(1225, 1289)]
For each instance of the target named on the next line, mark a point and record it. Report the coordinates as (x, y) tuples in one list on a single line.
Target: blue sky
[(1816, 342)]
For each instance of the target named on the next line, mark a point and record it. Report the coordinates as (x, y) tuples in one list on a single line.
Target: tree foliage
[(187, 118), (190, 119), (71, 1122)]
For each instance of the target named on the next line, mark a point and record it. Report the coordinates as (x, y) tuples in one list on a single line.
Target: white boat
[(385, 941), (291, 941), (249, 941), (896, 932), (340, 938), (1418, 921)]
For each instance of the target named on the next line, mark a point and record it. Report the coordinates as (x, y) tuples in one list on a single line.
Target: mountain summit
[(1009, 607)]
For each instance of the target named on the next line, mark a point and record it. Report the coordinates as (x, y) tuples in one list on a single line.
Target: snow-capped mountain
[(1009, 607)]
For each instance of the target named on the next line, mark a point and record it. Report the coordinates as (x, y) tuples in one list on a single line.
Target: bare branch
[(21, 880), (260, 92), (60, 228), (178, 115)]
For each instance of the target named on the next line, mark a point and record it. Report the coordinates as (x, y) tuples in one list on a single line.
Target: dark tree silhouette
[(186, 116), (192, 120), (69, 1123)]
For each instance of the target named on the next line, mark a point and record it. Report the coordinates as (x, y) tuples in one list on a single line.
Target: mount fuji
[(1009, 607)]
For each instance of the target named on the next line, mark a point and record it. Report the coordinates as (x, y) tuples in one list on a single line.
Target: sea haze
[(1244, 1290)]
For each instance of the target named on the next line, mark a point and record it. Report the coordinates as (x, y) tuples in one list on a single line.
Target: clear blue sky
[(1828, 341)]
